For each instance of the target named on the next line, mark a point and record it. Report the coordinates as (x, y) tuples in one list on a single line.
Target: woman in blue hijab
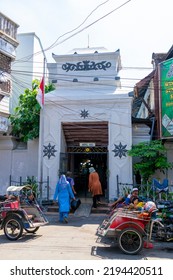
[(64, 193)]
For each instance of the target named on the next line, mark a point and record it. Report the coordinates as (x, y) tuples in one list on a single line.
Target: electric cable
[(56, 43)]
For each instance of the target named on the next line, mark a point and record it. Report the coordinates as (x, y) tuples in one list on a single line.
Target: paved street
[(72, 241)]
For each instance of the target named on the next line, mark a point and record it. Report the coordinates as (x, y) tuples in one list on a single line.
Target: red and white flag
[(40, 94)]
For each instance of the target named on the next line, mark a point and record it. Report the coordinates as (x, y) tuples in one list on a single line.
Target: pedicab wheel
[(32, 230), (13, 228), (130, 241)]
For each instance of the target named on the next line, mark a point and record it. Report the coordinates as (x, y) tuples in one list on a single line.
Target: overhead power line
[(99, 19), (86, 27)]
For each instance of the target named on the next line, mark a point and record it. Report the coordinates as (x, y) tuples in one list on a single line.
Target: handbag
[(75, 204)]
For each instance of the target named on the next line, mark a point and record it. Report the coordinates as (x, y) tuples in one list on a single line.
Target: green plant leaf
[(26, 117), (151, 157)]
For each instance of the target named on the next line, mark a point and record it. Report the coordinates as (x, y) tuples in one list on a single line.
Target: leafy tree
[(151, 156), (26, 117)]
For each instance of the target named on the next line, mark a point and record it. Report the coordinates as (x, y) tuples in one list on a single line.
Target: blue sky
[(138, 28)]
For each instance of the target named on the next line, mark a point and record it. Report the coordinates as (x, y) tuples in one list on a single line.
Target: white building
[(8, 45), (29, 65), (19, 160), (86, 121)]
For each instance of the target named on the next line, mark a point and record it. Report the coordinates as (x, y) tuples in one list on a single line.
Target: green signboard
[(166, 94)]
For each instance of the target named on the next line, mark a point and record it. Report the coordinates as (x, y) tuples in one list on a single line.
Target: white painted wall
[(16, 162), (116, 110), (27, 66)]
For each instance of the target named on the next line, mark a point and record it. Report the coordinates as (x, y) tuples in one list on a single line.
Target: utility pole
[(41, 139)]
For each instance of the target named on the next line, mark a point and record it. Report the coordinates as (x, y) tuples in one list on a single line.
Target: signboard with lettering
[(87, 144), (86, 65), (166, 94)]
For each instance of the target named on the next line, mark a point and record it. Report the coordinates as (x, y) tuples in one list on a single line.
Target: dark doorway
[(79, 164), (86, 143)]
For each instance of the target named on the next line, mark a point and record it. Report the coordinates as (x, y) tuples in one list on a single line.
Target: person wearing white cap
[(134, 190), (134, 194), (94, 186)]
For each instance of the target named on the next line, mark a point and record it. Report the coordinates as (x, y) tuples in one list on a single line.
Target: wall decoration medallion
[(84, 114), (120, 150), (86, 65), (49, 151)]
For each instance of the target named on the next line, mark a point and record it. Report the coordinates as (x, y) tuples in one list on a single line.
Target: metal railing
[(41, 189), (146, 191)]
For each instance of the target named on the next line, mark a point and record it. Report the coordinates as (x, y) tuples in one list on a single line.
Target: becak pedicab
[(20, 211), (129, 227)]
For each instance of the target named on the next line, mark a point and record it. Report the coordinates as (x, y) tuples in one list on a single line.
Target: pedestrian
[(94, 186), (64, 193), (70, 180)]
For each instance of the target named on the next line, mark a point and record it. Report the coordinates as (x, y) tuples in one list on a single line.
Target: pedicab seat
[(11, 205)]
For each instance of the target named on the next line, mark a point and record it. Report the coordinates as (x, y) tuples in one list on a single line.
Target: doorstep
[(102, 208)]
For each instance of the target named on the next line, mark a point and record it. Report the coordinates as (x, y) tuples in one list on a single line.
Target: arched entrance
[(86, 146)]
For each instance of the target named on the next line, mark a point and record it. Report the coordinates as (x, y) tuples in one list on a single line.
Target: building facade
[(152, 106), (8, 45), (86, 121), (29, 65), (18, 160)]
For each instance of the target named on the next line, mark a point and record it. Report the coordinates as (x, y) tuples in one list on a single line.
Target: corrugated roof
[(142, 86), (139, 92), (158, 57)]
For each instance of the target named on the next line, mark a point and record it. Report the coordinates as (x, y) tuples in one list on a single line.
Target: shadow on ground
[(75, 220), (109, 249)]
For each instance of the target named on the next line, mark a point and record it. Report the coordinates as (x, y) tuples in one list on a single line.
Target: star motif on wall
[(84, 114), (120, 150), (49, 151)]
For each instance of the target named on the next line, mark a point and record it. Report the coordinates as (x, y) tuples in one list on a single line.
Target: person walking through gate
[(64, 193), (70, 180), (94, 186)]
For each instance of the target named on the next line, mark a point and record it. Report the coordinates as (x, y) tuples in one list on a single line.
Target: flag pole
[(41, 137)]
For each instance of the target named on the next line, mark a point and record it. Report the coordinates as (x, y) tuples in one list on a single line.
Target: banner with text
[(166, 94)]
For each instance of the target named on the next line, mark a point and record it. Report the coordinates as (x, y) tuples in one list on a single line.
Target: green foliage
[(25, 121), (31, 181), (49, 87), (152, 157)]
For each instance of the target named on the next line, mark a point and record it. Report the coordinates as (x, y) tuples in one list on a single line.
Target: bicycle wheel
[(130, 241), (32, 230), (13, 227)]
